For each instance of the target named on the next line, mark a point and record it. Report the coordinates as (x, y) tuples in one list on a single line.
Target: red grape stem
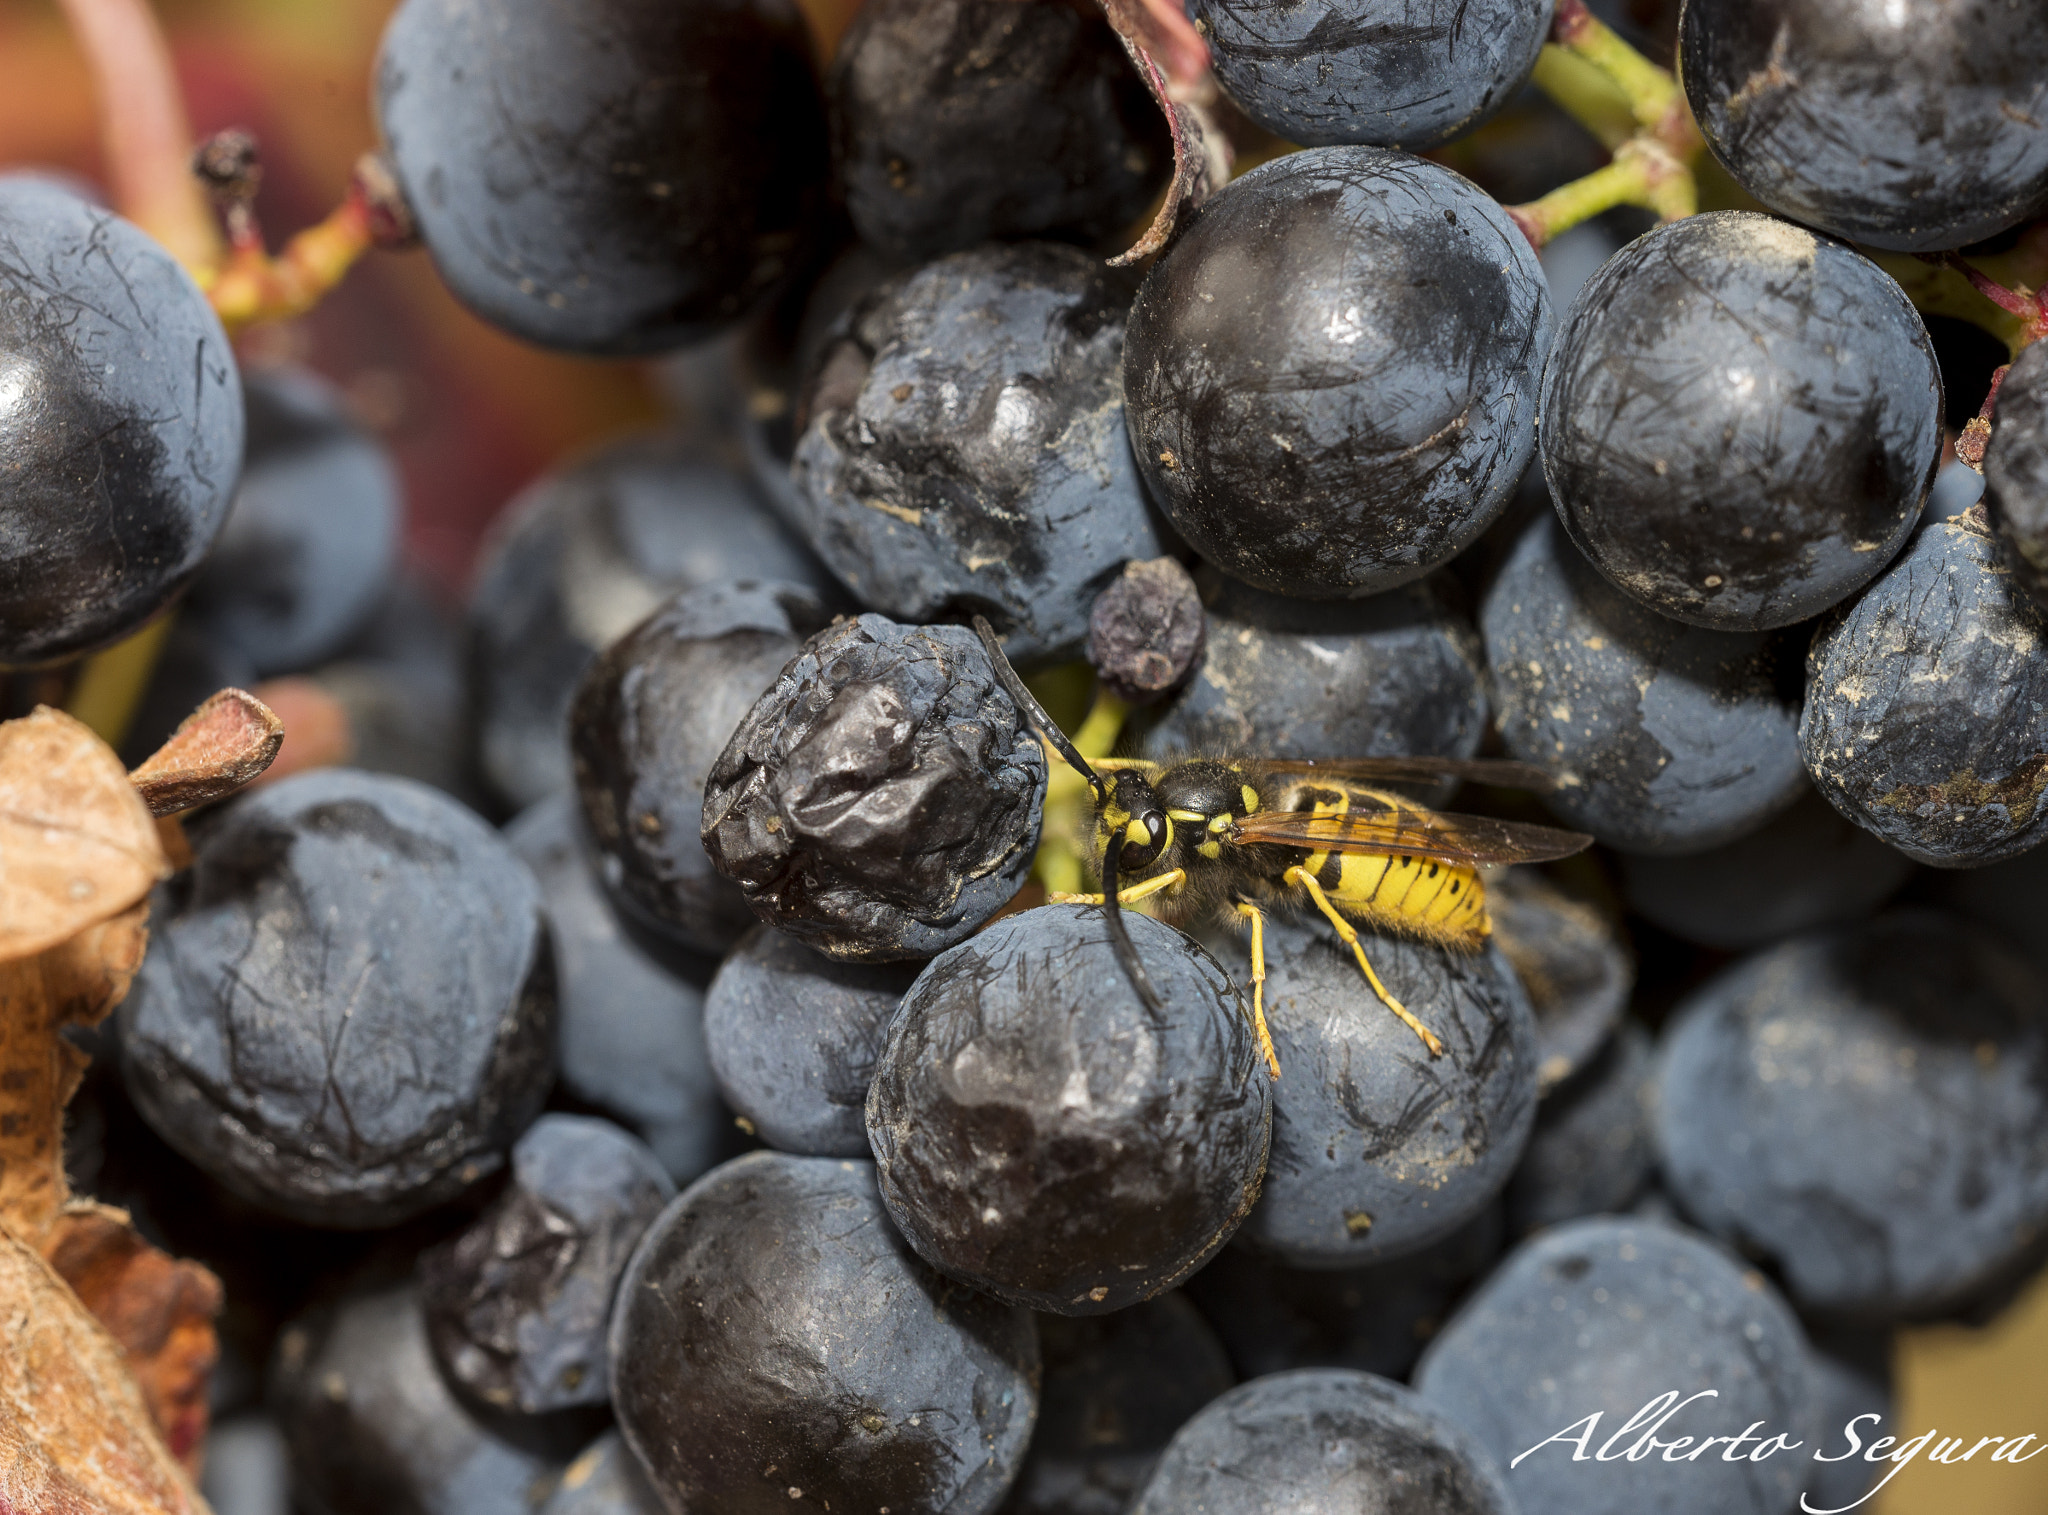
[(144, 132), (1637, 111), (161, 183), (2029, 305)]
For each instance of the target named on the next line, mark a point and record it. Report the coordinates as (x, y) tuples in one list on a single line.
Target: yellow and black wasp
[(1236, 836)]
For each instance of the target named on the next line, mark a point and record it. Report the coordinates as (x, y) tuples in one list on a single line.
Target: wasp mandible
[(1237, 836)]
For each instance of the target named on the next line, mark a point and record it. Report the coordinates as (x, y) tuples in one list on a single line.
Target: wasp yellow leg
[(1251, 912), (1299, 875), (1128, 896)]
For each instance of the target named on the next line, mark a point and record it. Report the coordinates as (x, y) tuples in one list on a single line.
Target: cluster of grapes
[(462, 1115)]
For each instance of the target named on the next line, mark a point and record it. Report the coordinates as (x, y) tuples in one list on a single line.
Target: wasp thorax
[(1207, 789)]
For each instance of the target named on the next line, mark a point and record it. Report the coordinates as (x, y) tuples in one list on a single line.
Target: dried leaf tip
[(1173, 61), (221, 746)]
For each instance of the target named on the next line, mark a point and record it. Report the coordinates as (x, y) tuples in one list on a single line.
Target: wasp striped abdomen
[(1424, 897)]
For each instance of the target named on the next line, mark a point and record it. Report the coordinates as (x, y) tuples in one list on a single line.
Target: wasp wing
[(1412, 770), (1413, 832)]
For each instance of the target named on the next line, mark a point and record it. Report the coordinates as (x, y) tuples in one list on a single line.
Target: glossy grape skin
[(773, 1319), (1740, 421), (1392, 73), (1043, 1136), (958, 121), (1904, 124), (120, 425), (1331, 378), (609, 177)]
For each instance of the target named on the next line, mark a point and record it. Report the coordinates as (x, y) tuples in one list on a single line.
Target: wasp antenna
[(1119, 934), (1035, 713)]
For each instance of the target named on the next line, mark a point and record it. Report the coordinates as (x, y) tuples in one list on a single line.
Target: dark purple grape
[(582, 556), (958, 121), (1740, 421), (1397, 674), (1591, 1153), (793, 1036), (349, 1014), (1600, 1317), (1866, 1108), (1926, 714), (310, 546), (372, 1426), (1043, 1135), (1380, 1150), (120, 425), (517, 1305), (1324, 1441), (2016, 470), (1915, 125), (631, 1039), (1574, 962), (1664, 738), (776, 1346), (612, 176), (1376, 1318), (882, 799), (1116, 1388), (649, 722), (964, 448), (1331, 378), (1392, 73), (1805, 868)]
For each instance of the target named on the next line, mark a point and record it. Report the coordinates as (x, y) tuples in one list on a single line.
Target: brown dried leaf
[(158, 1309), (75, 1432), (218, 748), (74, 983), (77, 845), (1201, 151)]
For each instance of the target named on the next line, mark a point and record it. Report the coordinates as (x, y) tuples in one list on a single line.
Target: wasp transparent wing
[(1471, 840), (1412, 770)]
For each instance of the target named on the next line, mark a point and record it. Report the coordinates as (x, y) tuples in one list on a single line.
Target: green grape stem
[(1069, 802), (1634, 108)]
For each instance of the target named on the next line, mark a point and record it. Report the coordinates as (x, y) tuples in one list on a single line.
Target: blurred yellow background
[(472, 415)]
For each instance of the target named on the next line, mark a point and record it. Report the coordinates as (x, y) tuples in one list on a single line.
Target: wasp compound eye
[(1144, 839)]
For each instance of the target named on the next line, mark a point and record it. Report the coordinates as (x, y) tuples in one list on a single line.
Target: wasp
[(1238, 836)]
